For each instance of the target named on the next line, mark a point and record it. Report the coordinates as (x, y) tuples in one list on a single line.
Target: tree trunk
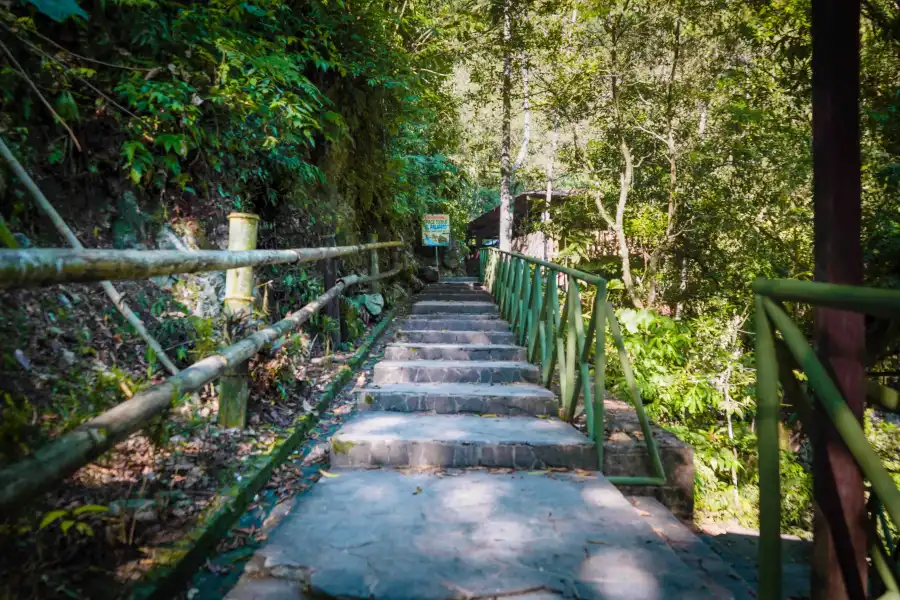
[(526, 110), (840, 569), (625, 179), (506, 208), (658, 255), (545, 214)]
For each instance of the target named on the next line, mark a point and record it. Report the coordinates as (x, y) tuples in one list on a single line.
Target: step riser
[(426, 353), (455, 337), (416, 374), (417, 324), (437, 318), (461, 308), (458, 287), (454, 297), (374, 400), (460, 455)]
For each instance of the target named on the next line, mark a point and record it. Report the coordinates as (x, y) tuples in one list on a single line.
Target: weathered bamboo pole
[(333, 310), (44, 266), (373, 263), (67, 233), (234, 384), (63, 456)]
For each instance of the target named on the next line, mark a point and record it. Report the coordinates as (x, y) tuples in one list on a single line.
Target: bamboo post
[(234, 385), (333, 309), (373, 265)]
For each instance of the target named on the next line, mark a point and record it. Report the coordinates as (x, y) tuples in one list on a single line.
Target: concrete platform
[(460, 323), (449, 307), (422, 439), (411, 351), (454, 371), (455, 398), (454, 337), (692, 551), (389, 536)]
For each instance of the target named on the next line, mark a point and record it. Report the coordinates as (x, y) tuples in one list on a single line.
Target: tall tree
[(506, 207)]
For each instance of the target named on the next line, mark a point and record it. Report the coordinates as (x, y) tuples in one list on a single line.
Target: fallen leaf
[(643, 513), (538, 472), (583, 473), (418, 491), (598, 542), (328, 475)]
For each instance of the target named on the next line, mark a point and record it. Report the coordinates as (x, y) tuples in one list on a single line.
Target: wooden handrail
[(36, 267)]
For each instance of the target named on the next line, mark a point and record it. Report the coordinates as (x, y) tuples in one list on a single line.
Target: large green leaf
[(59, 10), (374, 303)]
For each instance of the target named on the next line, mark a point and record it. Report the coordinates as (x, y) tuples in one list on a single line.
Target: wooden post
[(234, 384), (332, 309), (839, 552), (373, 265), (437, 261)]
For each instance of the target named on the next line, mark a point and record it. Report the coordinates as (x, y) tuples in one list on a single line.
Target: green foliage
[(59, 10), (325, 107), (68, 519)]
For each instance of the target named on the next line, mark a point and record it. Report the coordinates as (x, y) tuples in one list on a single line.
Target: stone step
[(435, 306), (460, 323), (436, 318), (454, 296), (426, 440), (412, 351), (453, 286), (723, 580), (453, 398), (451, 280), (454, 337), (385, 534), (454, 371)]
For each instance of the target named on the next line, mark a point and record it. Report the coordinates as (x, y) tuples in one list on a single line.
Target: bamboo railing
[(527, 291), (64, 455), (36, 267), (776, 361)]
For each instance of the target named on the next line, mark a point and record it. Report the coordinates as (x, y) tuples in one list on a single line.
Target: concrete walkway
[(454, 482)]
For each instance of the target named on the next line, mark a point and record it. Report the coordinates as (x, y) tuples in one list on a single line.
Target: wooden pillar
[(839, 553), (333, 308), (373, 264), (234, 384)]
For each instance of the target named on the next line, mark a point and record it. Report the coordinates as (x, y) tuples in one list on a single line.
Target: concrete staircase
[(454, 480)]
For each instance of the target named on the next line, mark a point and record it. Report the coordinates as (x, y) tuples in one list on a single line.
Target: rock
[(22, 240), (452, 258), (22, 360), (67, 358), (128, 228), (428, 274)]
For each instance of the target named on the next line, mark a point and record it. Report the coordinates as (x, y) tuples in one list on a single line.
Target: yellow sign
[(436, 230)]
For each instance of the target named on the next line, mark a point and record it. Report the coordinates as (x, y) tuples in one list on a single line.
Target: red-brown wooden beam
[(839, 554)]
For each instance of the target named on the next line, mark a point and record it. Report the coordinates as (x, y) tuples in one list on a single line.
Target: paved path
[(449, 485)]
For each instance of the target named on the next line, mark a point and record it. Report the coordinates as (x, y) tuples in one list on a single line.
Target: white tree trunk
[(526, 110), (545, 214), (506, 216)]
